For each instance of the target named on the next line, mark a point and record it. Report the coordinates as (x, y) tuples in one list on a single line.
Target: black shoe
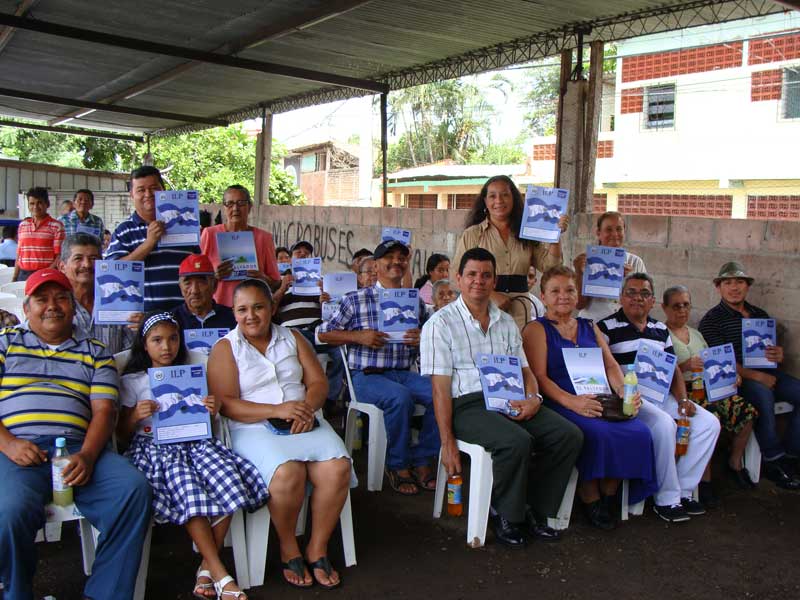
[(506, 533), (707, 496), (741, 478), (540, 530), (692, 507), (776, 472), (598, 515), (672, 514)]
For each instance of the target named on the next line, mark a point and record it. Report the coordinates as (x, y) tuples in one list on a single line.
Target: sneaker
[(672, 514), (692, 507)]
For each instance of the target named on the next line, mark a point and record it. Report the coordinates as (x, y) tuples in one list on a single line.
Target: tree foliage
[(208, 161)]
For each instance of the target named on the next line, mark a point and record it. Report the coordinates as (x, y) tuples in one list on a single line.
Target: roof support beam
[(7, 33), (119, 41), (124, 110), (73, 131)]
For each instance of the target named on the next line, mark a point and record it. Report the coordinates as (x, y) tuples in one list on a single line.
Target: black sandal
[(422, 482), (396, 480), (323, 564), (297, 566)]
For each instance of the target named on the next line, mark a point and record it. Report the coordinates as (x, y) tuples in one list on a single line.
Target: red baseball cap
[(43, 276), (195, 264)]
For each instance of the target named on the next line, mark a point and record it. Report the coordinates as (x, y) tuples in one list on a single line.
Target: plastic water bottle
[(357, 441), (62, 493), (631, 387), (454, 506), (682, 435)]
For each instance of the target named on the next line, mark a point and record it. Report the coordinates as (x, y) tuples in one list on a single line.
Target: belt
[(373, 371), (511, 283)]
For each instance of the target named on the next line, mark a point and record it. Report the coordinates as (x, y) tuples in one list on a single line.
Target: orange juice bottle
[(454, 506)]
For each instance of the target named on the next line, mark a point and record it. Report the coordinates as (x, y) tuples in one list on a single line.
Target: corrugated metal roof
[(399, 43), (455, 172)]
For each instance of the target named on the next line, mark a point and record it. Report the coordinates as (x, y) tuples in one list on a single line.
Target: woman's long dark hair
[(478, 212), (434, 260), (140, 360)]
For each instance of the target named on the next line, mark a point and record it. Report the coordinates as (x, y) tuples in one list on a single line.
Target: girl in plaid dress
[(198, 484)]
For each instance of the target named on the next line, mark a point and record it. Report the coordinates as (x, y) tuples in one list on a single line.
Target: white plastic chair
[(752, 452), (6, 275), (56, 515), (12, 304), (481, 480), (635, 510), (14, 287), (561, 521)]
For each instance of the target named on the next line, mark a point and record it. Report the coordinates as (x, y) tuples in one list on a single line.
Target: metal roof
[(448, 171), (324, 45)]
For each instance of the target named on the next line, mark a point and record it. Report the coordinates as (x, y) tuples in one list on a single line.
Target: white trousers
[(678, 479)]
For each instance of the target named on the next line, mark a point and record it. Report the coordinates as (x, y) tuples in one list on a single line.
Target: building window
[(321, 161), (660, 107), (791, 93)]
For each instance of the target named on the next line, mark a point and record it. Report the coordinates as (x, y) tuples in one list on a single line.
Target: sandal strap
[(219, 585), (396, 480), (296, 565), (323, 564)]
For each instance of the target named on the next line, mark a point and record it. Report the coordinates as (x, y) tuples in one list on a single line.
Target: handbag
[(612, 407)]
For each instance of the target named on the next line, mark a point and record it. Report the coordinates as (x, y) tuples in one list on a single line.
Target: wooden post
[(384, 145), (593, 106), (566, 71)]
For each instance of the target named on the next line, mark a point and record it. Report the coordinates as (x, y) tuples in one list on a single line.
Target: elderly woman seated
[(271, 385), (611, 450), (736, 415), (442, 294)]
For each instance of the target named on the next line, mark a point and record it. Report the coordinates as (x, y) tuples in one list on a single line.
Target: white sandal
[(201, 572), (218, 585)]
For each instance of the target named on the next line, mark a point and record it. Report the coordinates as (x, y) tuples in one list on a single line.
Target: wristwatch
[(530, 396)]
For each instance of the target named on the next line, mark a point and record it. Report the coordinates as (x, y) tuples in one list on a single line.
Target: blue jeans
[(117, 501), (396, 392), (787, 389)]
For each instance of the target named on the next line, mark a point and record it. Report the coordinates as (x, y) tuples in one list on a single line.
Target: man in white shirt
[(524, 494)]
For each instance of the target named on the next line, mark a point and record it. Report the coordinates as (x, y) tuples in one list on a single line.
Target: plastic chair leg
[(87, 545), (441, 485), (256, 534), (239, 543), (302, 516), (752, 458), (561, 521), (376, 455), (350, 429), (348, 541), (625, 495), (141, 577), (480, 496)]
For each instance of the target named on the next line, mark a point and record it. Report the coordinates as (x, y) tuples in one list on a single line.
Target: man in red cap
[(199, 310), (58, 382)]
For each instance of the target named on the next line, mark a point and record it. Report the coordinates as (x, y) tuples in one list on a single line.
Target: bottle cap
[(61, 442)]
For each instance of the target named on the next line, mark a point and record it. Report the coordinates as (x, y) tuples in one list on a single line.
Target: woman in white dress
[(271, 406)]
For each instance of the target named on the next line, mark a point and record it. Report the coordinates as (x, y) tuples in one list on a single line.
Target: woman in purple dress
[(612, 451)]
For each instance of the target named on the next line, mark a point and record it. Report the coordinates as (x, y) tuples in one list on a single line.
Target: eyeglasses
[(237, 203), (643, 294), (681, 306)]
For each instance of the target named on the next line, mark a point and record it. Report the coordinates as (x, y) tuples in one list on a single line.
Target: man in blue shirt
[(198, 310)]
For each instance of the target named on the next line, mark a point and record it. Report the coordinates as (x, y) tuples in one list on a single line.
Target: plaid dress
[(192, 479)]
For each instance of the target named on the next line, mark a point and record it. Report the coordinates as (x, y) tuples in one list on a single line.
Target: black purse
[(612, 407)]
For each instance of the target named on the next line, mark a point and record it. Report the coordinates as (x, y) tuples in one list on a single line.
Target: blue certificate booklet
[(719, 371), (307, 274), (757, 335), (337, 285), (393, 233), (604, 272), (586, 370), (90, 229), (239, 248), (180, 212), (201, 340), (399, 312), (118, 291), (543, 208), (654, 370), (501, 381), (181, 415), (284, 267)]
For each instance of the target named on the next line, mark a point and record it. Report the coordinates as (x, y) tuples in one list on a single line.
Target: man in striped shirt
[(56, 382), (137, 238), (623, 330), (39, 237)]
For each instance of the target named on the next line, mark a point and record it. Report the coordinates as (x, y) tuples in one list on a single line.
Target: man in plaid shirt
[(80, 220), (381, 373)]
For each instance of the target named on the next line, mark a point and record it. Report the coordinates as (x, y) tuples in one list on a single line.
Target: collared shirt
[(39, 245), (8, 249), (115, 338), (73, 224), (161, 291), (452, 337), (218, 317), (46, 391), (623, 336), (722, 325), (359, 311)]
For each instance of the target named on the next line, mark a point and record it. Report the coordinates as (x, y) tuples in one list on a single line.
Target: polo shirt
[(623, 337), (46, 391), (218, 317), (452, 337), (92, 224), (298, 312), (38, 245), (161, 291), (723, 325)]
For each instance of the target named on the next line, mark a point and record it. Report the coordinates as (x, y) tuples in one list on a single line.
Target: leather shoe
[(776, 472), (741, 478), (540, 530), (598, 515), (506, 533)]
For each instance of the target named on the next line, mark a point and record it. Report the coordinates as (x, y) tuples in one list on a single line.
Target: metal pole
[(73, 131), (384, 145)]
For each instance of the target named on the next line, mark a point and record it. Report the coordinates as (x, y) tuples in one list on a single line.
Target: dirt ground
[(746, 548)]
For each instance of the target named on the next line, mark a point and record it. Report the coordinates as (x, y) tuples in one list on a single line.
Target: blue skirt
[(197, 479), (615, 450)]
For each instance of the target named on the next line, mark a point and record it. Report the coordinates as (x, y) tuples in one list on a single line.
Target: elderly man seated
[(198, 283), (55, 382), (761, 387), (623, 330)]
